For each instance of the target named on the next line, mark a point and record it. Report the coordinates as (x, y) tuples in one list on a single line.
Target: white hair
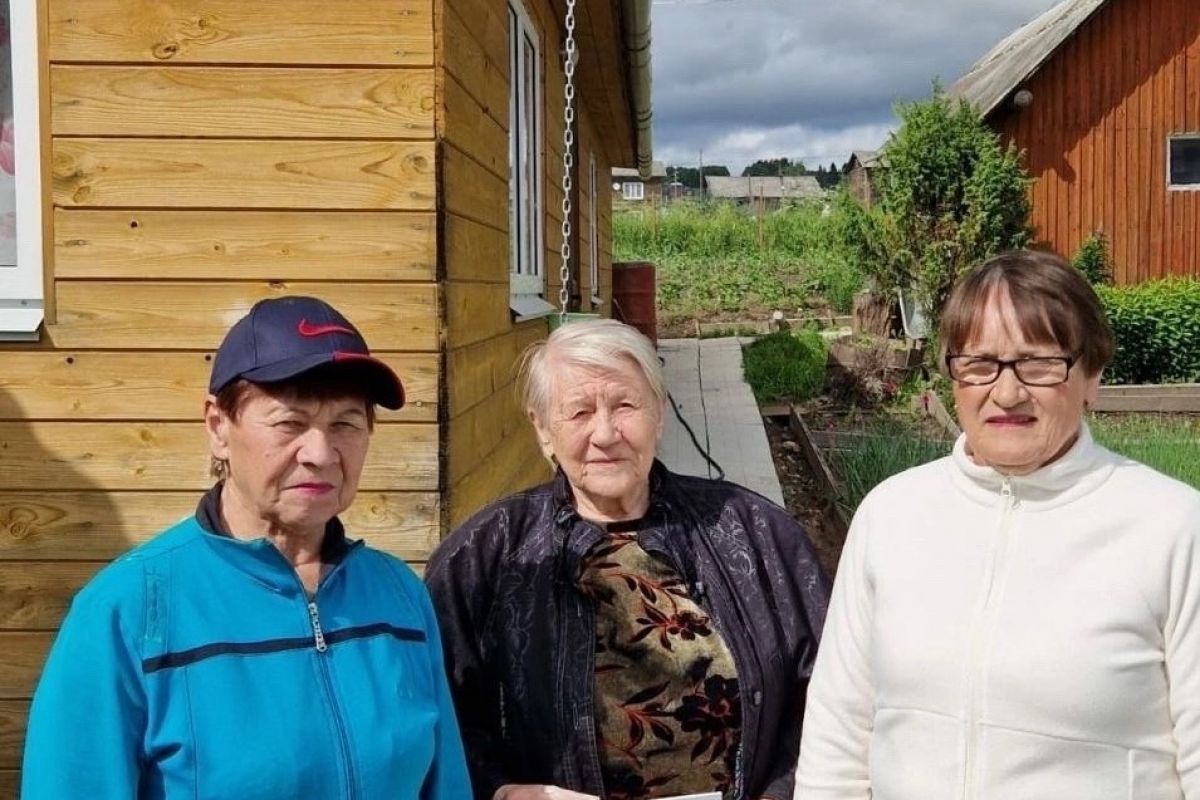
[(597, 344)]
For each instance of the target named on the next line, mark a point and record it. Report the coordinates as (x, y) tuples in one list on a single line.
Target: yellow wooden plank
[(473, 435), (474, 252), (235, 31), (473, 131), (471, 191), (242, 101), (90, 385), (98, 526), (36, 595), (240, 245), (476, 372), (13, 714), (487, 22), (103, 314), (515, 464), (476, 311), (22, 655), (484, 78), (236, 173), (174, 455)]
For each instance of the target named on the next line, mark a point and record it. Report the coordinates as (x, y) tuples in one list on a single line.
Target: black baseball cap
[(285, 336)]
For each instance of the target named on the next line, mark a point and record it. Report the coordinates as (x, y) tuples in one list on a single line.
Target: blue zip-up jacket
[(196, 666)]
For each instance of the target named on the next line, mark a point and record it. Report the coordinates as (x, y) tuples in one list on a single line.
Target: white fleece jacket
[(1032, 638)]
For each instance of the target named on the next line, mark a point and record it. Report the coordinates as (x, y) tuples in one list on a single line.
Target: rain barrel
[(633, 296)]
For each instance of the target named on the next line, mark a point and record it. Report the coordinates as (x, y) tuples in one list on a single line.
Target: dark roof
[(1016, 58)]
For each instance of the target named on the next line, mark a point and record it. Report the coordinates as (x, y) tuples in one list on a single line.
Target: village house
[(1103, 97), (177, 161), (769, 190)]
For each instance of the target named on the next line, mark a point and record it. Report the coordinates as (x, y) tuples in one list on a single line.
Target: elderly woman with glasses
[(624, 632), (1019, 619)]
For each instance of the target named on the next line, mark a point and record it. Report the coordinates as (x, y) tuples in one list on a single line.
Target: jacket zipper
[(339, 722), (980, 631)]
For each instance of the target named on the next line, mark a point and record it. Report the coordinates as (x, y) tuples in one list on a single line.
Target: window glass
[(1185, 161)]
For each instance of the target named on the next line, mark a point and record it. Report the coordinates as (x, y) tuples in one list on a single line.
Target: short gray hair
[(594, 343)]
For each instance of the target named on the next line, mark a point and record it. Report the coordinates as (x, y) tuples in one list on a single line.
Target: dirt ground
[(800, 494)]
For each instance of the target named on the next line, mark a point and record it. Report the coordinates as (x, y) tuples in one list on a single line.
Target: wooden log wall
[(206, 154), (1096, 136), (490, 448)]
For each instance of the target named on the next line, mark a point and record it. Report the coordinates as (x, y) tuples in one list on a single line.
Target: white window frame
[(22, 287), (1180, 187), (526, 174), (593, 231), (633, 190)]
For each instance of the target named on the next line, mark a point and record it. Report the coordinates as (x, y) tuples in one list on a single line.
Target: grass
[(1170, 443), (885, 448), (786, 366), (719, 257)]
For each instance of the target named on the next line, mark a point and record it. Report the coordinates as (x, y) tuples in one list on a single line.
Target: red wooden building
[(1104, 98)]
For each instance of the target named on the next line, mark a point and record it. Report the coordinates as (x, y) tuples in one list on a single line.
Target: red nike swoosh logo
[(305, 328)]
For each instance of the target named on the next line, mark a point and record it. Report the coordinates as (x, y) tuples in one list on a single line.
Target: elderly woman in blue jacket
[(255, 650)]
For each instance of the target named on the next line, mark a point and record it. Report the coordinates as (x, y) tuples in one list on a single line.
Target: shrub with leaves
[(786, 366), (1157, 329), (1092, 259), (951, 196)]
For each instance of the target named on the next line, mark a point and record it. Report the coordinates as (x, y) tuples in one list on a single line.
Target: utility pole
[(701, 174)]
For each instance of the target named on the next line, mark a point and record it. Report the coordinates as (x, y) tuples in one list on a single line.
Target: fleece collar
[(1082, 469)]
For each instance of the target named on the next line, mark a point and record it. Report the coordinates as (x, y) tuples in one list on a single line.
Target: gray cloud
[(748, 79)]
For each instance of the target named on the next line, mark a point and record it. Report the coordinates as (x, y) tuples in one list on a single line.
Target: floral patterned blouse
[(668, 712)]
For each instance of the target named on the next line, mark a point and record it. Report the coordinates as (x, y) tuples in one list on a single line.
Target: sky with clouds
[(811, 79)]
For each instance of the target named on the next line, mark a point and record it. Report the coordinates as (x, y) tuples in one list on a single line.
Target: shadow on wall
[(56, 531)]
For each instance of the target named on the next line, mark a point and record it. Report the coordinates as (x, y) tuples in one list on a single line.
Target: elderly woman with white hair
[(622, 631)]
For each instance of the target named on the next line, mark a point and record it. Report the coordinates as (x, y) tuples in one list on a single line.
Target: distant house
[(1102, 97), (629, 186), (770, 190), (860, 175)]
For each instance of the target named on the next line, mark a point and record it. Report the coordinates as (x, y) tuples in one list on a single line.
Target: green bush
[(1157, 329), (786, 366), (1092, 259)]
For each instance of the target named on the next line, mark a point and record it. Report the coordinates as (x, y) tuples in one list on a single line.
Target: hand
[(512, 791)]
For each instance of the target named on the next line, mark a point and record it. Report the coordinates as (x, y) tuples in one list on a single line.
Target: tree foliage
[(951, 195), (774, 167), (690, 176)]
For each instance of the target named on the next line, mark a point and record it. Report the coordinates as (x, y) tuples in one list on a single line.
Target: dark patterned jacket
[(519, 637)]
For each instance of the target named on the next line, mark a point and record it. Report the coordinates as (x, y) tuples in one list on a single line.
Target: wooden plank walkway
[(705, 378)]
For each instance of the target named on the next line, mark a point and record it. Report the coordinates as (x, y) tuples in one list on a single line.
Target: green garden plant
[(1156, 325), (786, 366), (1092, 259)]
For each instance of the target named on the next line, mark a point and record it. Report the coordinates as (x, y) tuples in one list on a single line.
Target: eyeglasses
[(1031, 370)]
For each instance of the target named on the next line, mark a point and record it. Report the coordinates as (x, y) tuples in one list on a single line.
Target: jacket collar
[(258, 557), (1080, 470)]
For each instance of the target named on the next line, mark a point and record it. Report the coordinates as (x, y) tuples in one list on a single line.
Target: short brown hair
[(1052, 300), (326, 382)]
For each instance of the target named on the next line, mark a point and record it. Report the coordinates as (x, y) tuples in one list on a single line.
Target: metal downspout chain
[(569, 60)]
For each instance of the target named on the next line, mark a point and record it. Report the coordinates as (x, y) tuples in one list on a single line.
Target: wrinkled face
[(603, 427), (294, 464), (1010, 426)]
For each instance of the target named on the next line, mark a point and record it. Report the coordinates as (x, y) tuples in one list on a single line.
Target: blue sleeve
[(448, 779), (88, 717)]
